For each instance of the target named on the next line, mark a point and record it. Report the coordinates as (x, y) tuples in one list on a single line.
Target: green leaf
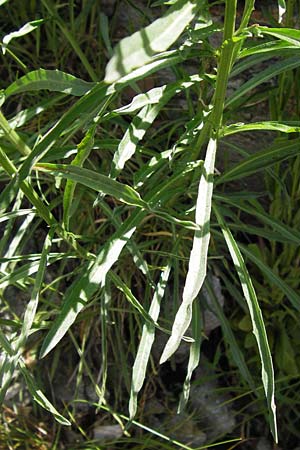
[(194, 356), (287, 232), (95, 181), (79, 112), (261, 160), (144, 119), (25, 29), (40, 397), (258, 325), (237, 354), (198, 257), (263, 76), (146, 342), (276, 48), (52, 80), (92, 278), (138, 49), (269, 126), (290, 35), (83, 150), (273, 278), (35, 295)]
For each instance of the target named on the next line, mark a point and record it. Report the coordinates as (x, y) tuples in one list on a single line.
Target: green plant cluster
[(125, 184)]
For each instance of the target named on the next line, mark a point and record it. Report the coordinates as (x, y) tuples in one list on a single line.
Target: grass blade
[(146, 342), (269, 126), (261, 160), (96, 181), (198, 258), (83, 151), (40, 397), (263, 76), (258, 325), (33, 303)]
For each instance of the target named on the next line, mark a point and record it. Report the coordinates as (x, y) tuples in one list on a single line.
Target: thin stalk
[(71, 40), (214, 122), (226, 60)]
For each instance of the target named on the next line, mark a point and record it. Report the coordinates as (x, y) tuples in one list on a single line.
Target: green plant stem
[(71, 40), (214, 121), (41, 208), (226, 60)]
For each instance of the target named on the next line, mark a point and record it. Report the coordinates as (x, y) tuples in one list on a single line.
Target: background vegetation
[(149, 253)]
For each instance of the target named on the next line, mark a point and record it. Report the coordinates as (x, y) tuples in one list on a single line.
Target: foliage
[(121, 176)]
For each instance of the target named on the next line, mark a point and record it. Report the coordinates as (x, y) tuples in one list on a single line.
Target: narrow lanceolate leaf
[(83, 151), (258, 325), (290, 35), (198, 258), (25, 29), (146, 342), (262, 160), (40, 397), (33, 303), (263, 76), (138, 49), (96, 181), (194, 357), (270, 126), (51, 80)]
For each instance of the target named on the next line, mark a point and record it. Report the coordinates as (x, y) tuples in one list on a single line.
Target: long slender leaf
[(136, 50), (96, 181), (265, 75), (290, 35), (84, 149), (258, 325), (146, 342), (33, 303), (194, 356), (236, 352), (261, 160), (198, 258), (51, 80), (40, 397), (266, 126)]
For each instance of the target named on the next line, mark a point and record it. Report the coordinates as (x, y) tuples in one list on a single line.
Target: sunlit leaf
[(198, 257), (258, 325), (137, 50)]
